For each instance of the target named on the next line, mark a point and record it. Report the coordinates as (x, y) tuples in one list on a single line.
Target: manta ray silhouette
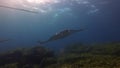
[(61, 35)]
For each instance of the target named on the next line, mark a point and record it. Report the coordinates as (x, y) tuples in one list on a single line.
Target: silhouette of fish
[(61, 35), (18, 9), (2, 41)]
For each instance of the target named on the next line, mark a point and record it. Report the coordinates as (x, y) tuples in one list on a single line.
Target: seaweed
[(74, 56)]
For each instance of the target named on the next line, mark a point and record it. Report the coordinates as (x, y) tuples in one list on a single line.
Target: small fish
[(61, 35), (2, 41), (18, 9)]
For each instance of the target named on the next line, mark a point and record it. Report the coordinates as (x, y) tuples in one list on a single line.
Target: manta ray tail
[(41, 42), (81, 30), (78, 30)]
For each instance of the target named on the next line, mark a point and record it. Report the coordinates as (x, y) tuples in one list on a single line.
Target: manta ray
[(61, 35)]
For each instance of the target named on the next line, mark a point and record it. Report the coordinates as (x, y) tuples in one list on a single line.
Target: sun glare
[(41, 1), (46, 6)]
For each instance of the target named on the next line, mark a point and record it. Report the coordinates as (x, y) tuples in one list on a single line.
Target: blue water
[(25, 29)]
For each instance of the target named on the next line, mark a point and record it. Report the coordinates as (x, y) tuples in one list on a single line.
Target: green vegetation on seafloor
[(73, 56)]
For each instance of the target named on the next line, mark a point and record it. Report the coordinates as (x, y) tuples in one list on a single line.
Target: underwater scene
[(59, 34)]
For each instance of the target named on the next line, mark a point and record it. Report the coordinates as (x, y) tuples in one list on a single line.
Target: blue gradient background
[(25, 29)]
